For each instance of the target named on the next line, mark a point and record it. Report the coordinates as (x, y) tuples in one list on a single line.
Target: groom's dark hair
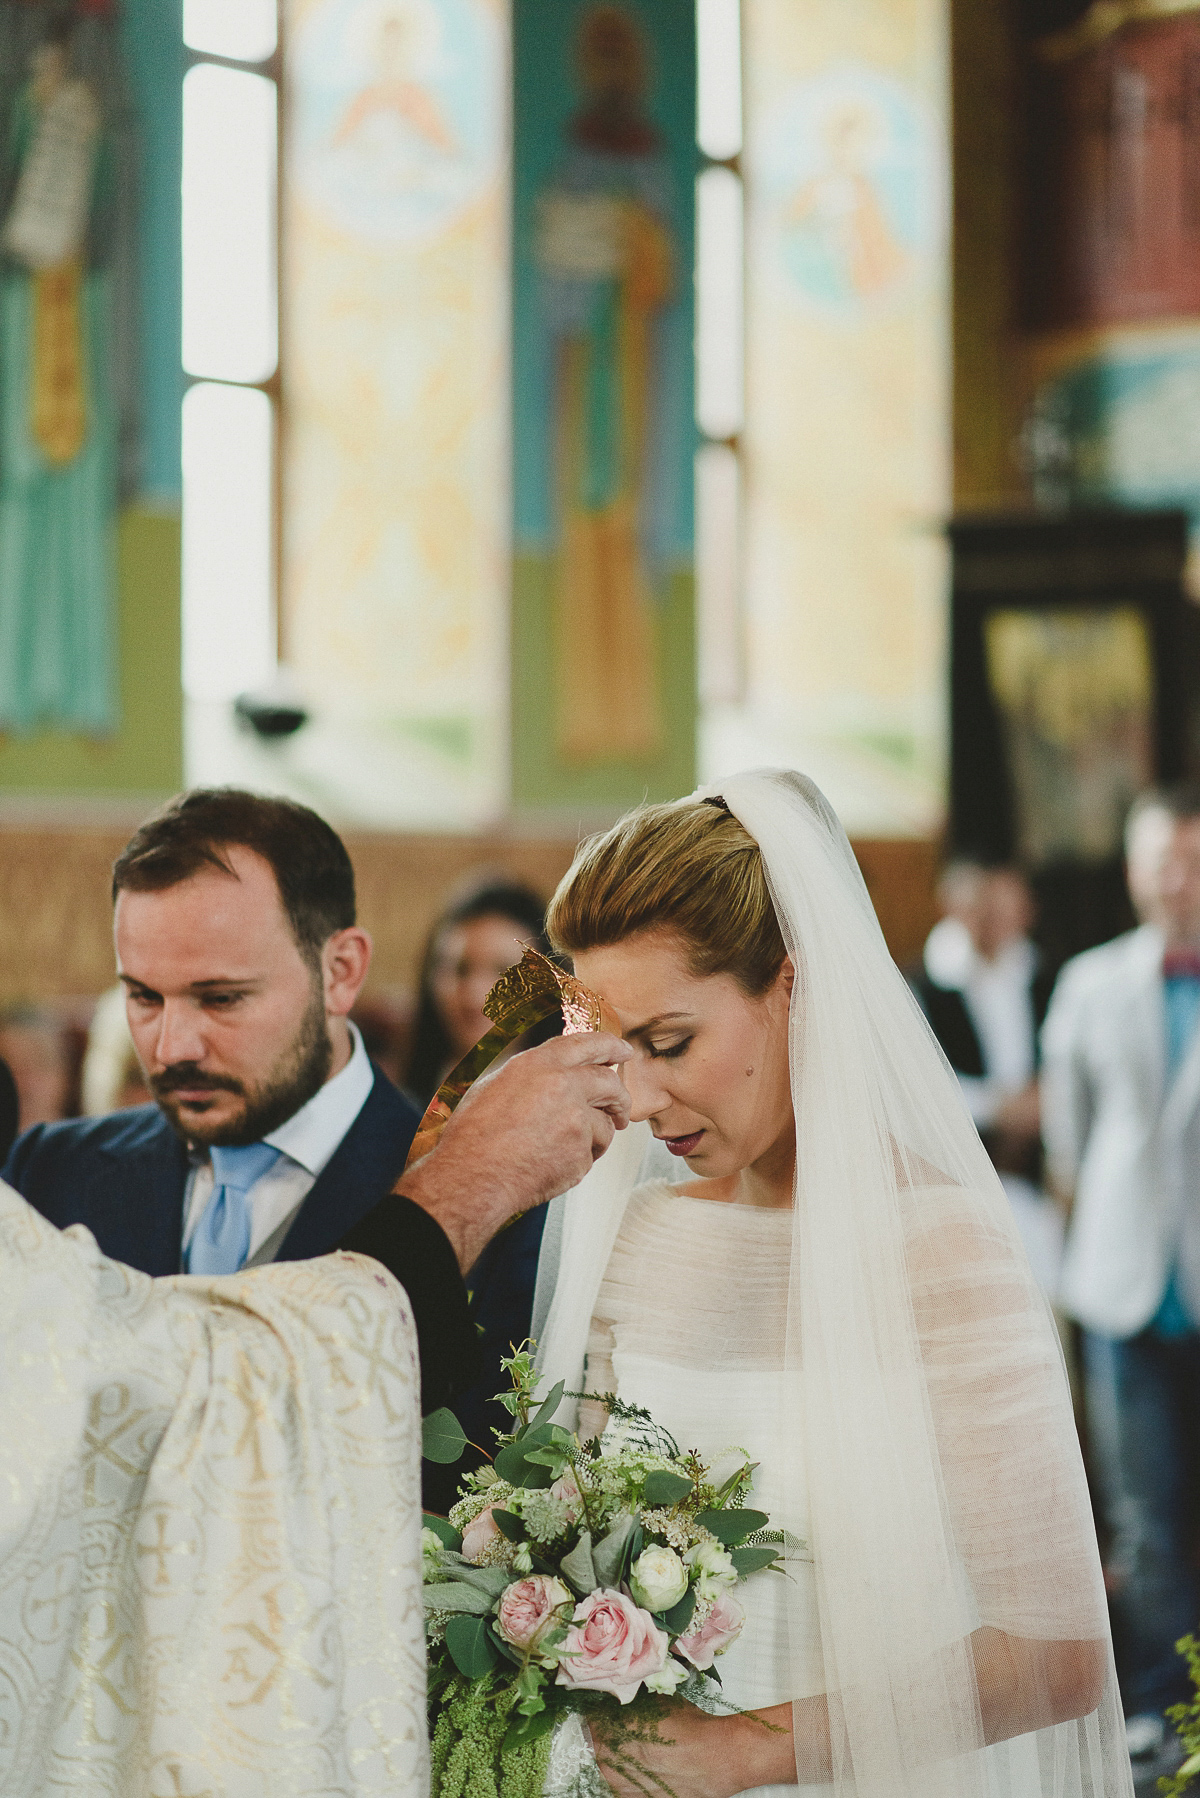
[(196, 830)]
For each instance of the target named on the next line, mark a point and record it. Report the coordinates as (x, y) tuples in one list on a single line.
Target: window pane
[(719, 347), (228, 615), (718, 573), (242, 29), (719, 78), (229, 304)]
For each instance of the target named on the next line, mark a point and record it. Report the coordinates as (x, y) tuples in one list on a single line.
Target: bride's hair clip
[(715, 799)]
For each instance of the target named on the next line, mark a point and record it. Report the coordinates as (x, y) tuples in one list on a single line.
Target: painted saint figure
[(607, 261), (58, 425)]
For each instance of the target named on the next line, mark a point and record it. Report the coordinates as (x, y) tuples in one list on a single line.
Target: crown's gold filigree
[(525, 994), (535, 981)]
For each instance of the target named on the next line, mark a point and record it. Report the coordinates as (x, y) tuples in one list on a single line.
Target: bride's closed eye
[(671, 1053)]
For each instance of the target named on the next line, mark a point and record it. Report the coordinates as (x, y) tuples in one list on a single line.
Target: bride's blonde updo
[(692, 869)]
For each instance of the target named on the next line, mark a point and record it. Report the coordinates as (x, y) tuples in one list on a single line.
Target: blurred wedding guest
[(33, 1042), (483, 930), (112, 1077), (1121, 1107), (9, 1109), (983, 989), (486, 926)]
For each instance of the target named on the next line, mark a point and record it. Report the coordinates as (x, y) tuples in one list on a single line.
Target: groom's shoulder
[(73, 1146)]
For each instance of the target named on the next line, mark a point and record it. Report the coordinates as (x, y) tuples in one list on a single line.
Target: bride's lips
[(683, 1145)]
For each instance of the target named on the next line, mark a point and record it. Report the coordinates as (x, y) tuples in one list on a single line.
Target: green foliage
[(732, 1527), (441, 1526), (665, 1489), (1186, 1718), (470, 1727), (442, 1437), (471, 1647)]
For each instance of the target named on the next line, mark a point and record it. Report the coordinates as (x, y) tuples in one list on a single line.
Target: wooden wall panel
[(56, 929)]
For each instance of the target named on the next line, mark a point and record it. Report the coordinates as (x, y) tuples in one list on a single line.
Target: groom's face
[(228, 1018)]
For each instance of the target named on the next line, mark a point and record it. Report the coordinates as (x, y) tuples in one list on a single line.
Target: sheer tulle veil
[(927, 1419)]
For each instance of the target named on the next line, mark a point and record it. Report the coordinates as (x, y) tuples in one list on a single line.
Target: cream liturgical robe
[(209, 1528)]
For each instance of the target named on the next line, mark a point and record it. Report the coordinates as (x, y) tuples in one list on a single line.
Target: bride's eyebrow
[(664, 1017)]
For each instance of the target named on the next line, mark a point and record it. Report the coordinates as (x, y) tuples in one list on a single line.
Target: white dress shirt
[(307, 1142), (1000, 1006)]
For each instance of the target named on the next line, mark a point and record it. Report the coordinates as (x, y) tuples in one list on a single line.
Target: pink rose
[(567, 1489), (611, 1646), (704, 1641), (478, 1533), (527, 1608)]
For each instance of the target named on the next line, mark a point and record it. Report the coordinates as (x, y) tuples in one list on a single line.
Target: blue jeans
[(1143, 1403)]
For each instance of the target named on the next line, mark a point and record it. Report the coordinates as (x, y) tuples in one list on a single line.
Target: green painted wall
[(145, 756), (539, 779)]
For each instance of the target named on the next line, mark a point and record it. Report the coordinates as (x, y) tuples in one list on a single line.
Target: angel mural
[(607, 259), (59, 373)]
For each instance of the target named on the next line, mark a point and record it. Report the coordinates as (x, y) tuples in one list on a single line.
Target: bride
[(829, 1278)]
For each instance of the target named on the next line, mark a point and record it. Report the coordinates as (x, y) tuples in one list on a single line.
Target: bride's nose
[(646, 1095)]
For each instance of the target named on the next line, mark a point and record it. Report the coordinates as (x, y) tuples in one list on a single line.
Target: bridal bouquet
[(579, 1580)]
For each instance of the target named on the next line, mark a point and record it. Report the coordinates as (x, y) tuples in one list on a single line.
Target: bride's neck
[(766, 1184), (769, 1182)]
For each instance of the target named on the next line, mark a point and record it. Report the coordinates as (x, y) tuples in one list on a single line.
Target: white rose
[(658, 1579), (713, 1568), (668, 1677)]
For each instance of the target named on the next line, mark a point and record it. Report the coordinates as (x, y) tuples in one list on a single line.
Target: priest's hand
[(522, 1134)]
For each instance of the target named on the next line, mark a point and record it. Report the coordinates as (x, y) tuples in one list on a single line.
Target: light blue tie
[(221, 1239)]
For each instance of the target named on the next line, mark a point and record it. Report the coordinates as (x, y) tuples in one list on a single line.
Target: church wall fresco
[(89, 397), (603, 432), (847, 405), (394, 575)]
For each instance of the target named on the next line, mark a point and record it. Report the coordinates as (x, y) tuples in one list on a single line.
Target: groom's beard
[(300, 1072)]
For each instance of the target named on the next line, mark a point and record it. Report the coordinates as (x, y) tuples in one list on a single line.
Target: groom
[(272, 1136)]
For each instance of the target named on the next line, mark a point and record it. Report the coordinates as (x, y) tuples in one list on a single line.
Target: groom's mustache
[(185, 1076)]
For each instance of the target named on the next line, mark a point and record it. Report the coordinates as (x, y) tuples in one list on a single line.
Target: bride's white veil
[(928, 1422)]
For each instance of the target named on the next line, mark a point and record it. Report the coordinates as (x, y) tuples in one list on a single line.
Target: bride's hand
[(700, 1756)]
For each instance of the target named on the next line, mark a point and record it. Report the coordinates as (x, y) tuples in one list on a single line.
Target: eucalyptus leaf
[(471, 1647), (549, 1404), (732, 1527), (608, 1556), (454, 1595), (485, 1579), (509, 1524), (441, 1526), (442, 1437), (579, 1568), (513, 1466), (680, 1615), (554, 1458), (752, 1560), (664, 1489)]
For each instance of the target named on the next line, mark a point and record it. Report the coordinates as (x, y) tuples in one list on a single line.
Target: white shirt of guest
[(307, 1140), (999, 1004)]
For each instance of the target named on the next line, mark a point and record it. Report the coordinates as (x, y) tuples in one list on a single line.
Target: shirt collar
[(951, 959), (311, 1134)]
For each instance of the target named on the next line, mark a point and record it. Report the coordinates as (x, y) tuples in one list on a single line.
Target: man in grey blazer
[(1121, 1118)]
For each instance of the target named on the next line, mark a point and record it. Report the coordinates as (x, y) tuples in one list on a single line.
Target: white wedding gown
[(690, 1324)]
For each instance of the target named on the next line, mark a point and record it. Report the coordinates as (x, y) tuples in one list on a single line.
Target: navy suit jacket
[(124, 1176)]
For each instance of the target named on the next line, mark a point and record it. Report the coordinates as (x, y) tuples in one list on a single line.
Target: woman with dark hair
[(480, 933)]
